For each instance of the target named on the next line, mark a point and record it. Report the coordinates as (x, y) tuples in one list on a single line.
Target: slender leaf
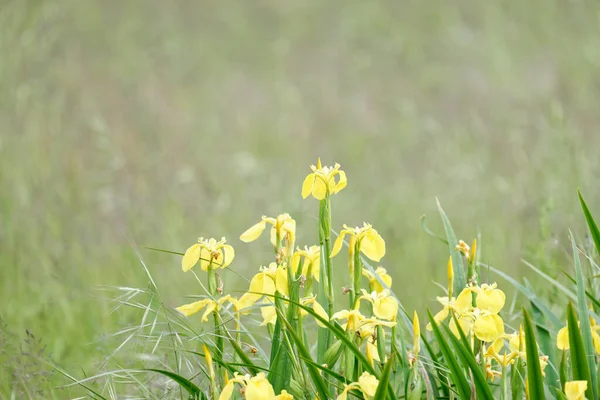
[(579, 365), (460, 280), (466, 356), (589, 295), (192, 389), (591, 222), (535, 380), (253, 369), (584, 318), (456, 371), (385, 379)]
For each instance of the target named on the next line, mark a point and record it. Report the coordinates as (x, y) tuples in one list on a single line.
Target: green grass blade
[(584, 318), (517, 384), (591, 222), (253, 369), (589, 295), (547, 345), (460, 280), (385, 379), (579, 365), (316, 377), (564, 373), (535, 379), (456, 370), (466, 356), (192, 389)]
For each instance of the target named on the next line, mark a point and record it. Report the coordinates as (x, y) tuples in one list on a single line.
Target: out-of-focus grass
[(153, 123)]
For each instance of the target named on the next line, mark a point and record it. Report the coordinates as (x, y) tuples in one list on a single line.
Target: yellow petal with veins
[(337, 246), (387, 308), (575, 390), (320, 311), (307, 185), (191, 256), (319, 189), (253, 232), (341, 183), (192, 308), (227, 391), (372, 245), (259, 388), (488, 327), (562, 338), (490, 299), (281, 281), (368, 384), (228, 255)]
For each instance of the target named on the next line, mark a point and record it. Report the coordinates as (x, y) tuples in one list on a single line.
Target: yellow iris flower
[(268, 312), (210, 253), (370, 243), (489, 298), (283, 227), (210, 305), (575, 390), (384, 305), (562, 338), (317, 308), (374, 283), (309, 258), (367, 384), (266, 282), (322, 181), (255, 388)]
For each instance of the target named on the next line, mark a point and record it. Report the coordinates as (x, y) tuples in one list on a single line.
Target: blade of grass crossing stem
[(547, 345), (192, 389), (535, 380), (584, 318), (316, 377), (456, 371), (385, 379), (244, 357), (589, 295), (516, 379), (579, 365), (591, 222), (466, 357), (460, 280)]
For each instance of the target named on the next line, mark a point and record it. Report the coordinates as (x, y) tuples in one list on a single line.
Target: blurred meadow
[(151, 123)]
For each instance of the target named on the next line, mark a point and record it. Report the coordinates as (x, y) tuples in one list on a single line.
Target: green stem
[(325, 292), (357, 275), (212, 289), (504, 383)]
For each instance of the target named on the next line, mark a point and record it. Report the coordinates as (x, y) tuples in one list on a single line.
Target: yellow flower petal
[(488, 327), (417, 335), (227, 391), (307, 185), (319, 189), (386, 308), (191, 256), (337, 246), (321, 313), (343, 180), (490, 299), (372, 245), (228, 255), (259, 388), (210, 308), (253, 232), (575, 390), (205, 258), (269, 314), (281, 281), (368, 384), (192, 308), (284, 395), (562, 339), (464, 300), (262, 285)]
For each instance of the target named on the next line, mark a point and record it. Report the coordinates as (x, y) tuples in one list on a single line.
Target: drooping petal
[(191, 256), (575, 390), (259, 388), (372, 245), (386, 308), (192, 308), (319, 190), (205, 258), (337, 246), (247, 300), (227, 391), (269, 314), (490, 299), (253, 232), (562, 338), (307, 185), (368, 384), (341, 182), (488, 327), (228, 255), (281, 281), (262, 284), (320, 311), (210, 308), (464, 300)]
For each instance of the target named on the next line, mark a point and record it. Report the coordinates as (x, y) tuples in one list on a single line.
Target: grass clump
[(300, 332)]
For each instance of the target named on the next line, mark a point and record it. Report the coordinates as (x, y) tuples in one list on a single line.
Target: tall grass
[(143, 124)]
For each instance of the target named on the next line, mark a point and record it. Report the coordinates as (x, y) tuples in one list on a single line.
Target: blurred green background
[(150, 123)]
